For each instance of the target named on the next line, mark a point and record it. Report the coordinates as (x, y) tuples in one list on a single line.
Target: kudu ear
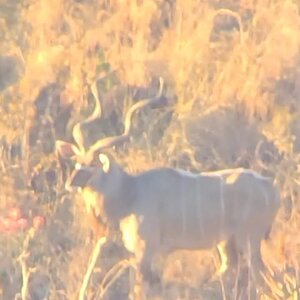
[(105, 162), (65, 149)]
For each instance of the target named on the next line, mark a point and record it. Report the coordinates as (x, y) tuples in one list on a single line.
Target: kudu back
[(166, 209)]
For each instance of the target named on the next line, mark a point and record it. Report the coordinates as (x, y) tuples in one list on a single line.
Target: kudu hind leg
[(257, 266), (259, 271), (255, 258)]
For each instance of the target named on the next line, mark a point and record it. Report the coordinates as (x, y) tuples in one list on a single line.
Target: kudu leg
[(263, 276), (255, 259), (146, 267), (143, 277), (251, 279)]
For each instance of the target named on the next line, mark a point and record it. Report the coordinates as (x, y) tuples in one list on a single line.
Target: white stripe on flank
[(222, 203), (222, 196), (199, 209), (183, 208)]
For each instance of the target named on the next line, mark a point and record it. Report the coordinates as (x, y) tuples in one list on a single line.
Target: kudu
[(167, 209)]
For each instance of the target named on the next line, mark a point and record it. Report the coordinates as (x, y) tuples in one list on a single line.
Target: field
[(231, 72)]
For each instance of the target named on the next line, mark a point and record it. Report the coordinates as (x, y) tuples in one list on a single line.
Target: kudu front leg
[(145, 267), (142, 274)]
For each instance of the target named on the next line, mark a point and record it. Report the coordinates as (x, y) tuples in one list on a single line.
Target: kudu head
[(85, 168)]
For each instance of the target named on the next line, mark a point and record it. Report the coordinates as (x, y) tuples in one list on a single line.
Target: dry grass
[(233, 88)]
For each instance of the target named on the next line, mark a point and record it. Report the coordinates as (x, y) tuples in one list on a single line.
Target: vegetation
[(232, 89)]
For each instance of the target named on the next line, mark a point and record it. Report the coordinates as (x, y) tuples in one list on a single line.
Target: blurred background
[(232, 90)]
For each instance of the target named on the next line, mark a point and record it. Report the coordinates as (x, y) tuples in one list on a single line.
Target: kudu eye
[(78, 166)]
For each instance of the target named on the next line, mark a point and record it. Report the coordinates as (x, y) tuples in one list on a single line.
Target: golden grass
[(232, 75)]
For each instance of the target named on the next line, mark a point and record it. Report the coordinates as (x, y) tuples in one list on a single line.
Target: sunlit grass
[(232, 80)]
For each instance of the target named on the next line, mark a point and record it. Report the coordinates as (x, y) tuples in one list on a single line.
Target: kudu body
[(166, 209)]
